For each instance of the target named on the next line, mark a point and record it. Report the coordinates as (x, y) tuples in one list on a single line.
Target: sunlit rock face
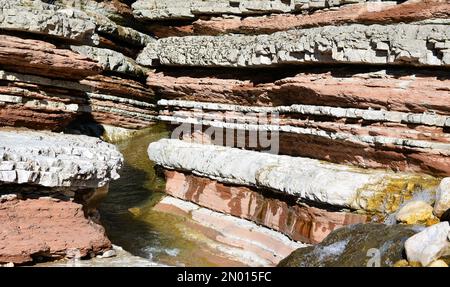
[(300, 223), (333, 112), (51, 184), (307, 179)]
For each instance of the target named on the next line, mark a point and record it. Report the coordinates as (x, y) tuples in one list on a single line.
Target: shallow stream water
[(130, 222)]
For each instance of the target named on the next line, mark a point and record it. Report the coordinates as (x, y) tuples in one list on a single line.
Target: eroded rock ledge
[(406, 44), (170, 9), (51, 184), (47, 229), (307, 179), (57, 160)]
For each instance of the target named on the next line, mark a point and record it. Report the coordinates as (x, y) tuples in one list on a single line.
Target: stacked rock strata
[(70, 63), (350, 97), (50, 185), (353, 99)]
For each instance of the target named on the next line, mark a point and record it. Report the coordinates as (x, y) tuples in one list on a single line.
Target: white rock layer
[(57, 160)]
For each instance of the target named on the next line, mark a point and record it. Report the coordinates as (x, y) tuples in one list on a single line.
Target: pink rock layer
[(394, 91), (71, 101), (298, 222), (44, 59), (49, 229), (364, 13)]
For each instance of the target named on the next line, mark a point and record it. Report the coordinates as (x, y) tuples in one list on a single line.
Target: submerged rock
[(359, 245), (429, 245)]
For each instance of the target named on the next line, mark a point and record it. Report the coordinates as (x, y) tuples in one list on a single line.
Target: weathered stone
[(43, 103), (57, 160), (360, 245), (170, 9), (367, 13), (42, 228), (112, 61), (241, 239), (305, 178), (44, 59), (442, 197), (393, 90), (300, 223), (409, 44), (113, 9), (41, 18), (429, 244), (415, 212), (380, 119)]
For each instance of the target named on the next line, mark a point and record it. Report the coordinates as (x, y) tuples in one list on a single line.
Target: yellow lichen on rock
[(416, 212), (388, 195)]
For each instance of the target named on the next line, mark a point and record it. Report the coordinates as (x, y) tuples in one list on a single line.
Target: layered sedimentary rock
[(33, 93), (299, 222), (56, 160), (46, 229), (304, 178), (41, 58), (364, 13), (44, 19), (241, 240), (170, 9), (41, 175), (410, 44)]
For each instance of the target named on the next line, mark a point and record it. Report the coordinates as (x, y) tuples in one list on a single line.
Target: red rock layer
[(47, 228), (366, 13), (422, 92), (113, 85), (394, 157), (301, 223), (43, 106), (44, 59)]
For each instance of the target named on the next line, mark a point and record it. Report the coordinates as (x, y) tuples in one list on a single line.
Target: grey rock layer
[(410, 44), (112, 60), (57, 160), (305, 178), (41, 18), (173, 9)]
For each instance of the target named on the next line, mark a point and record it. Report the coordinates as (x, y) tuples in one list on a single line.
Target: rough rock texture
[(41, 18), (360, 245), (243, 240), (112, 60), (300, 223), (44, 59), (44, 103), (415, 212), (364, 13), (171, 9), (429, 244), (401, 44), (395, 90), (442, 197), (56, 160), (305, 178), (47, 229), (381, 118)]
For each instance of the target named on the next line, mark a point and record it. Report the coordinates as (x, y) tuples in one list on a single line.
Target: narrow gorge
[(300, 133)]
